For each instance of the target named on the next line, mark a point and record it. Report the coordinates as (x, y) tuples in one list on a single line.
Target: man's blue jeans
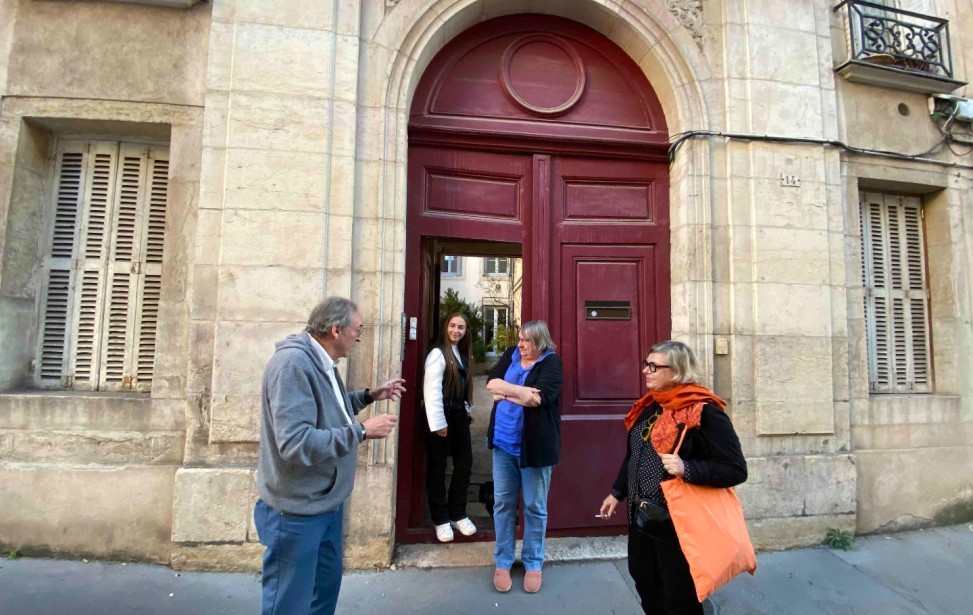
[(302, 565), (508, 481)]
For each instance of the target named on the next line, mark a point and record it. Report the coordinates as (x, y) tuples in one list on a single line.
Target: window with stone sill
[(896, 294), (496, 265), (451, 265), (102, 274)]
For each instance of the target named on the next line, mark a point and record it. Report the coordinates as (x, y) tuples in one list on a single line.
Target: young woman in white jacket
[(447, 393)]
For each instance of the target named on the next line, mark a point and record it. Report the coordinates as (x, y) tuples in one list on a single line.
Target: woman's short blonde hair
[(681, 360), (539, 335)]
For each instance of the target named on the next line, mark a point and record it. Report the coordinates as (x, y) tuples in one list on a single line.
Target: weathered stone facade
[(286, 122)]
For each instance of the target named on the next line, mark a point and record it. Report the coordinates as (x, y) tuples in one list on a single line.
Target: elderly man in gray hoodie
[(308, 440)]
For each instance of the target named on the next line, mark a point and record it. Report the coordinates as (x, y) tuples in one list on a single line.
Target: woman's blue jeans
[(509, 480)]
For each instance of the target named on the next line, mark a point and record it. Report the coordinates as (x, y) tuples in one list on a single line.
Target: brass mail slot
[(607, 310)]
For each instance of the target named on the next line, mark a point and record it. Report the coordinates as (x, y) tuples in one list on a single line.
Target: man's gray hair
[(538, 333), (681, 360), (332, 312)]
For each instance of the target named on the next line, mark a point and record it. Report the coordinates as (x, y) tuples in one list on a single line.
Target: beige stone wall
[(109, 71), (47, 512), (894, 435), (107, 51), (276, 227)]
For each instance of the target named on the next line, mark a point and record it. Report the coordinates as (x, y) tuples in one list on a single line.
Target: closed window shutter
[(74, 270), (896, 304), (100, 304), (93, 243), (150, 283), (135, 269), (916, 298), (54, 336)]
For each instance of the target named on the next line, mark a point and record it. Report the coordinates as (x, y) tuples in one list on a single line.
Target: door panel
[(602, 288), (469, 195), (608, 317)]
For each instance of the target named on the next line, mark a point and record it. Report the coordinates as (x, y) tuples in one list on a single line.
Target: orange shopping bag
[(712, 533)]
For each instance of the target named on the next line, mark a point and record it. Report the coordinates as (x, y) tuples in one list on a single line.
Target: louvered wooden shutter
[(150, 284), (74, 269), (896, 299), (103, 275), (135, 269)]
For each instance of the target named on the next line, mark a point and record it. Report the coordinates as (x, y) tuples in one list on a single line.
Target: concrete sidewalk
[(915, 572)]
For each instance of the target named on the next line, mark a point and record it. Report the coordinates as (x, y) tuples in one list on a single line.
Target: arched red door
[(537, 131)]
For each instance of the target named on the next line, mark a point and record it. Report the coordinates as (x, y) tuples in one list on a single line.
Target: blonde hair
[(681, 361)]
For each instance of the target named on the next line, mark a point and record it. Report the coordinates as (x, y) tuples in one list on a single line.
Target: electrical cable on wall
[(680, 138)]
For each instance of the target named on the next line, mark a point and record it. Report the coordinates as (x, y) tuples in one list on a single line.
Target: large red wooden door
[(538, 131)]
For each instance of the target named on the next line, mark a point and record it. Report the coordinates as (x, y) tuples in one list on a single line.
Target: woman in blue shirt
[(525, 435)]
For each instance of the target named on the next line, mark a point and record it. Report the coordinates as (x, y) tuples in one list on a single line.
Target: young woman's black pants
[(661, 572), (452, 506)]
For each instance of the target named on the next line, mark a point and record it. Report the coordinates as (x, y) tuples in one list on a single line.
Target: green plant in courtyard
[(504, 337)]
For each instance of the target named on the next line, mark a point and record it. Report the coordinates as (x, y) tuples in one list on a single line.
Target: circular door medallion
[(542, 73)]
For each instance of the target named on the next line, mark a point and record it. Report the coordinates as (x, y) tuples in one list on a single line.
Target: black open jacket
[(712, 450), (540, 444)]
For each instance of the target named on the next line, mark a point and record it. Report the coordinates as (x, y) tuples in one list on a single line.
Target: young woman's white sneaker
[(444, 533), (465, 526)]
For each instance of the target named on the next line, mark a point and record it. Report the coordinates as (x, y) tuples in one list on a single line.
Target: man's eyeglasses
[(653, 367), (359, 331)]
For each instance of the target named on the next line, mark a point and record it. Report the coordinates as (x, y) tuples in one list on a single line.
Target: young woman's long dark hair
[(451, 379)]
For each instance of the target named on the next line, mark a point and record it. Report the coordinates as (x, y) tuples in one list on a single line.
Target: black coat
[(540, 444)]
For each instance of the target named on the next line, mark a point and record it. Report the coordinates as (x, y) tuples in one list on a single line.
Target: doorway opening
[(484, 280)]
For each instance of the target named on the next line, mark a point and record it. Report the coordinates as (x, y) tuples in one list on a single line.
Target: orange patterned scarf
[(681, 405)]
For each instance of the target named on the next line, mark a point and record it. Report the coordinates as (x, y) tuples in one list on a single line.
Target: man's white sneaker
[(465, 526), (444, 533)]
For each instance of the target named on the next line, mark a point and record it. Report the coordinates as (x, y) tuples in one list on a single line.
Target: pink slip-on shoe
[(501, 581), (532, 581)]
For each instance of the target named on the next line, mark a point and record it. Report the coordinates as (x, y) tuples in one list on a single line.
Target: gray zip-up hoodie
[(307, 442)]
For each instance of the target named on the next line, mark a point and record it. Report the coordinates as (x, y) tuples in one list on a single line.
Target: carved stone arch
[(655, 36), (412, 32)]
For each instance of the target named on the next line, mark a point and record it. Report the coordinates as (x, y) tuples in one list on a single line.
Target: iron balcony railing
[(897, 38)]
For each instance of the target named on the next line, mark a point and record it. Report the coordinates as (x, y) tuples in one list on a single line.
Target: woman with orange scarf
[(710, 456)]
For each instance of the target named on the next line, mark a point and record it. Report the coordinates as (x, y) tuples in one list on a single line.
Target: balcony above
[(898, 49)]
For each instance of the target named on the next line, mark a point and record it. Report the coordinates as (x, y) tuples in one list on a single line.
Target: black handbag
[(648, 514)]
